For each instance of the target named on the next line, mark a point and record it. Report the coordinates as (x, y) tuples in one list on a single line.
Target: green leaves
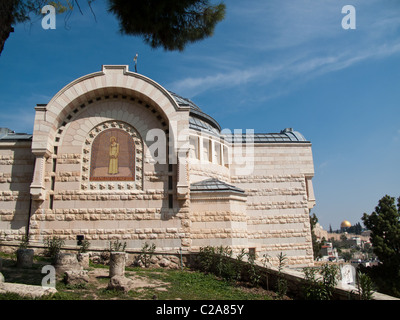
[(168, 24), (320, 282), (384, 224)]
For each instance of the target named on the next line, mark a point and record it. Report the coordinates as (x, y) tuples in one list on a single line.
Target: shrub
[(364, 286), (146, 254), (24, 242), (254, 275), (205, 259), (239, 265), (84, 246), (320, 282), (117, 246), (282, 282), (53, 247)]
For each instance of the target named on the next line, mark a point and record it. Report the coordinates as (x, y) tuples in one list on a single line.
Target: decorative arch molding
[(115, 98), (129, 173), (112, 80)]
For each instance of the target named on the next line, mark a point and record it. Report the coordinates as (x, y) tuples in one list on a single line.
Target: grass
[(194, 285), (165, 284)]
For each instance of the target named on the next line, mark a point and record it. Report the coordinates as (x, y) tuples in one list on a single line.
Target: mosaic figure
[(114, 152)]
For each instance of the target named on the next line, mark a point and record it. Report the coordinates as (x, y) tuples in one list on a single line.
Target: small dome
[(345, 224)]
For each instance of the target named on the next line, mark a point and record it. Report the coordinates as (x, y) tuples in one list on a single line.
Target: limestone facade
[(115, 156)]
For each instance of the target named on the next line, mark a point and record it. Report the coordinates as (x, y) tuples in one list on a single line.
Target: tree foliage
[(384, 224), (168, 24), (356, 229)]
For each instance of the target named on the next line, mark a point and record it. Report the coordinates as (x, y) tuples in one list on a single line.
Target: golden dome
[(345, 224)]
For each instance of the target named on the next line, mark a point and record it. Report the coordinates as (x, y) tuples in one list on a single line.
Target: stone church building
[(115, 156)]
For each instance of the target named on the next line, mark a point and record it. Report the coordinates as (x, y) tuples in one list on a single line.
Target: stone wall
[(279, 196), (218, 219), (16, 167), (107, 210)]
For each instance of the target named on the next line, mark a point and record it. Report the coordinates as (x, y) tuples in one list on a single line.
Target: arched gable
[(112, 80)]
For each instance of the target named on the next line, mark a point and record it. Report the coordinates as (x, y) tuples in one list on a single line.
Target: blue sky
[(270, 65)]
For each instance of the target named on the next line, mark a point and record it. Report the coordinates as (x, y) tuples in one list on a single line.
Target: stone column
[(117, 264), (66, 262), (24, 258), (182, 186), (41, 148)]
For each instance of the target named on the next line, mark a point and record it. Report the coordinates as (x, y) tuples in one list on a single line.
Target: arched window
[(113, 156)]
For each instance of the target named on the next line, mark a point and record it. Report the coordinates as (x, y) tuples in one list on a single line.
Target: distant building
[(354, 242), (328, 252)]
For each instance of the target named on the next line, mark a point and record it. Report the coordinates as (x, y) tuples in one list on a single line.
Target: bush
[(364, 286), (205, 259), (84, 246), (117, 246), (219, 261), (282, 282), (146, 254), (254, 275), (320, 282), (53, 247), (24, 242)]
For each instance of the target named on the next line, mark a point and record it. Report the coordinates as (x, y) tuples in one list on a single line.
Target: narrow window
[(194, 147), (53, 181), (51, 201), (217, 153), (79, 238), (54, 164), (169, 182), (206, 150), (226, 158)]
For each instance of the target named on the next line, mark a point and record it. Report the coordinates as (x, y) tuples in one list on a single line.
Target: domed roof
[(345, 224), (198, 119), (184, 101)]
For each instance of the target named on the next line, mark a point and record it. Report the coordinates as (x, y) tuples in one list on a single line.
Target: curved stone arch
[(136, 183), (98, 111), (111, 80)]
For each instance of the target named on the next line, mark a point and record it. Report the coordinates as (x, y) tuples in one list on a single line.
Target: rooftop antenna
[(135, 60)]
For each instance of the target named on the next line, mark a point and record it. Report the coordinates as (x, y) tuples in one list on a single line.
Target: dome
[(345, 224), (199, 120)]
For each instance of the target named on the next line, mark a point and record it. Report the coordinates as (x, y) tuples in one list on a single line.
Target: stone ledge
[(26, 290)]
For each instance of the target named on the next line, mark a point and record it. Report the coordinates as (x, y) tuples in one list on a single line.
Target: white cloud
[(294, 41)]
